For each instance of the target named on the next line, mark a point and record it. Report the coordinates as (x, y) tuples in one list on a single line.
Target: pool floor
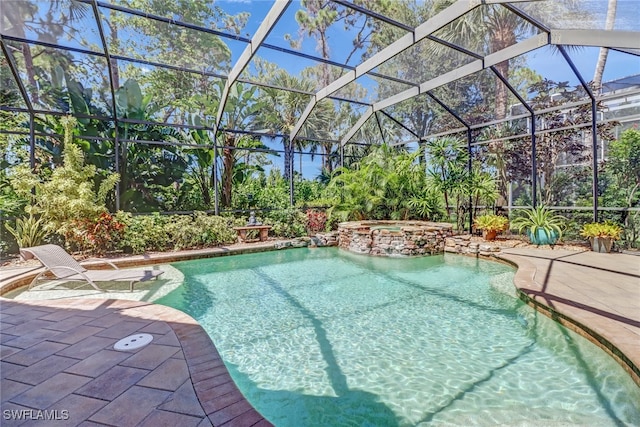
[(321, 337)]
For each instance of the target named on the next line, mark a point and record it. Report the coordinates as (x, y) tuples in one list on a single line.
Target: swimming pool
[(328, 338)]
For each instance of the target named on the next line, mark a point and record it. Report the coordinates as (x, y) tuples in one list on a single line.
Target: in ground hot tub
[(394, 238)]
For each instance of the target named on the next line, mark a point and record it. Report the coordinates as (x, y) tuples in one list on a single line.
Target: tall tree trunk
[(287, 158), (604, 52), (113, 63), (503, 37), (16, 15), (227, 177), (28, 64), (204, 187), (502, 92)]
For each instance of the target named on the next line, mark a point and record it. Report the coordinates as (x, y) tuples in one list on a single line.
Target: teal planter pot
[(544, 237)]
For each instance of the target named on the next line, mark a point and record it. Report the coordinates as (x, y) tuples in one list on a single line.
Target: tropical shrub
[(143, 232), (605, 229), (621, 178), (306, 191), (199, 230), (29, 231), (263, 192), (316, 221), (540, 221), (385, 184), (175, 232), (97, 236), (491, 222), (287, 222), (69, 193), (448, 159), (10, 206)]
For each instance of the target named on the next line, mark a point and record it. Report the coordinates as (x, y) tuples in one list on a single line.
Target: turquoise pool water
[(327, 338)]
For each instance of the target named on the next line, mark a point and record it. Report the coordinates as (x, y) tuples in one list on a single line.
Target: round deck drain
[(133, 342)]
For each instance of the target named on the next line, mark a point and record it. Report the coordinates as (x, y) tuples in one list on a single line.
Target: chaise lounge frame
[(61, 265)]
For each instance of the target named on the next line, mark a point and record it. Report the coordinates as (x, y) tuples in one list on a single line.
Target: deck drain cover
[(133, 342)]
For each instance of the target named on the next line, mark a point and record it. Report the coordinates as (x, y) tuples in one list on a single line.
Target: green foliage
[(97, 236), (10, 203), (491, 222), (174, 232), (624, 158), (149, 172), (602, 229), (264, 192), (69, 193), (448, 161), (287, 222), (306, 192), (143, 232), (622, 179), (29, 231), (200, 230), (540, 218), (386, 184), (483, 187)]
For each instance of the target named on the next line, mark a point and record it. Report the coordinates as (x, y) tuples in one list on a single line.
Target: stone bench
[(242, 233)]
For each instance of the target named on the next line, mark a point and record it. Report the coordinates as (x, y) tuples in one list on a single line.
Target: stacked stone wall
[(325, 239), (394, 238)]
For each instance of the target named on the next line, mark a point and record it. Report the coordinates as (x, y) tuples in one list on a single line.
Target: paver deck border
[(524, 279), (200, 354)]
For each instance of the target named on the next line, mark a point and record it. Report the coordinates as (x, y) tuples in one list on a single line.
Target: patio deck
[(57, 356), (595, 294)]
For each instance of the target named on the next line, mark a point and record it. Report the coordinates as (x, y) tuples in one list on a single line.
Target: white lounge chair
[(63, 266)]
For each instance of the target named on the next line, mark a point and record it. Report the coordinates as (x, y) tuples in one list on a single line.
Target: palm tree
[(487, 29), (387, 183), (285, 107), (604, 51), (447, 158), (241, 110)]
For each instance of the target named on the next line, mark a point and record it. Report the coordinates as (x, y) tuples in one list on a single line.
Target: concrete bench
[(242, 232)]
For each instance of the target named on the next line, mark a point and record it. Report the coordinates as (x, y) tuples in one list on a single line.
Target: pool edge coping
[(525, 275)]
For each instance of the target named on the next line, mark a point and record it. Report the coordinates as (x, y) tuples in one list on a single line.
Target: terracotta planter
[(489, 234), (601, 244)]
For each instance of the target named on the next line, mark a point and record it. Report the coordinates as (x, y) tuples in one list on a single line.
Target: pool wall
[(394, 238)]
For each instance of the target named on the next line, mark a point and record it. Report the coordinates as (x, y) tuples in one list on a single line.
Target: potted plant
[(491, 225), (601, 235), (541, 225)]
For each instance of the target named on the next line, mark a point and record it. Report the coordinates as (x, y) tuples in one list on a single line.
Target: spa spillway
[(394, 238)]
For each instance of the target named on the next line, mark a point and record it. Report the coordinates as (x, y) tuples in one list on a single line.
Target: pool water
[(327, 338)]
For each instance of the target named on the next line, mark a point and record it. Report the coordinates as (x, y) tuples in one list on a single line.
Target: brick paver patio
[(57, 360)]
